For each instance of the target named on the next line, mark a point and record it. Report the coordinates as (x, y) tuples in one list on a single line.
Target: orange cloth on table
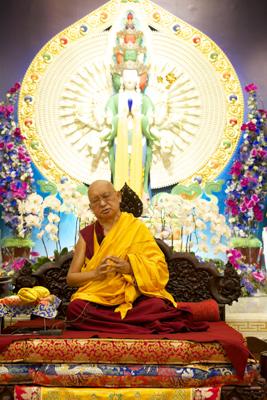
[(128, 238)]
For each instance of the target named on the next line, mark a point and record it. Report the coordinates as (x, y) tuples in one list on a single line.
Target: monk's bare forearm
[(77, 279)]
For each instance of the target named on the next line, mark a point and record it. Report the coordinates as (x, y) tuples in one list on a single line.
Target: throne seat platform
[(42, 360)]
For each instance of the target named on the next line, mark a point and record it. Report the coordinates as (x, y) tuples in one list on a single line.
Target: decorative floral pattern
[(45, 393), (114, 351), (110, 375), (45, 310)]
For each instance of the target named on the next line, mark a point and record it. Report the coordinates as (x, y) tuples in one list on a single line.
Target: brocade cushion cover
[(112, 375), (123, 351)]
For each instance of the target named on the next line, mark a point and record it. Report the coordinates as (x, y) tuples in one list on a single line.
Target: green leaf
[(250, 241), (16, 242), (83, 189), (188, 192), (47, 187), (65, 250), (40, 261), (213, 186)]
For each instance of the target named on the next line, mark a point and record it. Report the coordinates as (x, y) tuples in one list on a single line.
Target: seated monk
[(121, 275)]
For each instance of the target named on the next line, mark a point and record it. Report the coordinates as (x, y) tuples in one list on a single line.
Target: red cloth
[(88, 235), (231, 340), (148, 316), (205, 310)]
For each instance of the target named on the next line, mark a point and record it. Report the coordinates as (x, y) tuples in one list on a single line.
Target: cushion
[(205, 310), (128, 375)]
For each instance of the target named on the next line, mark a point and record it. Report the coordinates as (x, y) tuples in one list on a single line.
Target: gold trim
[(99, 20)]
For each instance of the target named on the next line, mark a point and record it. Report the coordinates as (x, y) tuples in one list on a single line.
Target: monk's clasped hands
[(112, 264)]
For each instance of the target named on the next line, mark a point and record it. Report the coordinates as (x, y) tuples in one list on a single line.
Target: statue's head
[(130, 79), (129, 57)]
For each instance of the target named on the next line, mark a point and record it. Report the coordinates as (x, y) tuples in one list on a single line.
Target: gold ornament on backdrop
[(197, 98)]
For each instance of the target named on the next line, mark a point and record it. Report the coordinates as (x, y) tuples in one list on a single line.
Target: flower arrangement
[(186, 225), (45, 213), (253, 280), (247, 188), (16, 175)]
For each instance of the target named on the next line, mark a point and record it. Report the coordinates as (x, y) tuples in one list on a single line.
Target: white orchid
[(53, 218), (184, 223), (33, 221), (40, 234), (52, 202), (51, 229)]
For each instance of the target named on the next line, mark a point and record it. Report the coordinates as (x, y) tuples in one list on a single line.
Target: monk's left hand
[(120, 265)]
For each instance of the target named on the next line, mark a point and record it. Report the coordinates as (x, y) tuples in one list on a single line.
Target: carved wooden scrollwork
[(229, 286), (254, 392), (130, 202), (24, 278), (187, 282), (189, 279)]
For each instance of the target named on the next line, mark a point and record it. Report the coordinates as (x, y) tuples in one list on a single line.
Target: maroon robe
[(148, 315)]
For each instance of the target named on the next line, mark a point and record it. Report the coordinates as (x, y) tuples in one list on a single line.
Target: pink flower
[(17, 86), (243, 127), (263, 113), (234, 211), (251, 126), (18, 264), (10, 109), (251, 87), (243, 207), (262, 153), (10, 146), (258, 276), (34, 254), (255, 199), (21, 194), (236, 168), (234, 256), (258, 213), (231, 202), (17, 132), (244, 182)]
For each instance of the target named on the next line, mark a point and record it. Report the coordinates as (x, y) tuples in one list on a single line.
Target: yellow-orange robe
[(128, 238)]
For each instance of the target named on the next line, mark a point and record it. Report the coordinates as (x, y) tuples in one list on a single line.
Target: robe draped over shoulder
[(129, 239)]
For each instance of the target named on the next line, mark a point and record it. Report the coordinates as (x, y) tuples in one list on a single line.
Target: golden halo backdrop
[(72, 72)]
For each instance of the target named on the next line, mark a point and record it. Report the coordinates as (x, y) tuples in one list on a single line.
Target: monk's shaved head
[(104, 201), (99, 185)]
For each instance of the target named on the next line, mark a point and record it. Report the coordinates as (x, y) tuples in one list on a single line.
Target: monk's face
[(104, 200)]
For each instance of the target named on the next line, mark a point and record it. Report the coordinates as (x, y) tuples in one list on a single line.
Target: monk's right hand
[(102, 269)]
